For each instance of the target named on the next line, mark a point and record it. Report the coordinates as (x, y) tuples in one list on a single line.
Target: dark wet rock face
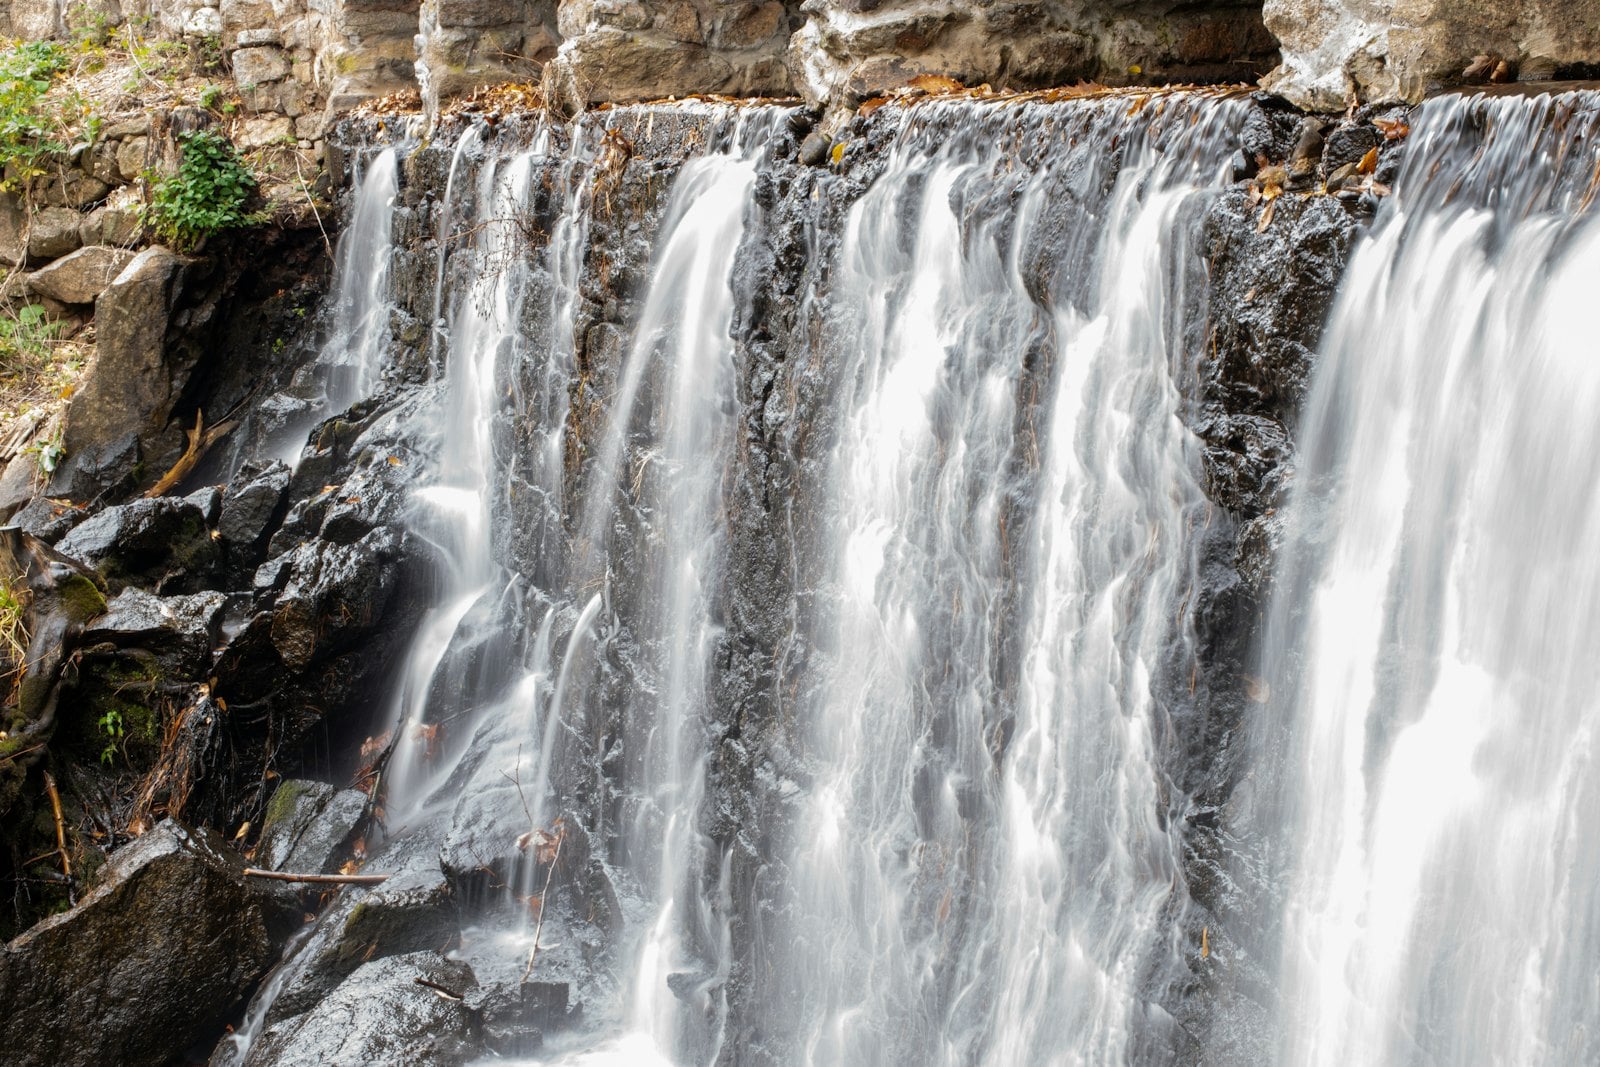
[(145, 967), (1271, 288), (309, 827), (136, 377), (383, 1016), (251, 508), (414, 910), (160, 544)]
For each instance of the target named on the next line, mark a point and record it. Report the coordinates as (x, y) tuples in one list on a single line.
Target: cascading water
[(351, 361), (684, 335), (976, 850), (1432, 628), (981, 870), (502, 669)]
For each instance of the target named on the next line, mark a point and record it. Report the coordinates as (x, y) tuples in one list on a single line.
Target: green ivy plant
[(210, 193)]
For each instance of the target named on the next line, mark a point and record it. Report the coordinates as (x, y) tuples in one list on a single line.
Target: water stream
[(981, 872), (969, 845), (1442, 881)]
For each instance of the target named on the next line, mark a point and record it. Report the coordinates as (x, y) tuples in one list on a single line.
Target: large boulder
[(82, 276), (153, 542), (178, 632), (648, 49), (383, 1017), (307, 826), (849, 49), (148, 964), (370, 48), (252, 507), (131, 385), (13, 230), (466, 44), (36, 20), (53, 232), (414, 910)]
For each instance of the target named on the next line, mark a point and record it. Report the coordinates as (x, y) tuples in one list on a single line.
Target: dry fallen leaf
[(1392, 129), (1266, 216), (1480, 68), (428, 734), (1369, 162), (935, 83)]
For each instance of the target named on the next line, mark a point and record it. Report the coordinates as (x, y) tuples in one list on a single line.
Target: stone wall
[(295, 57), (854, 48), (639, 49), (300, 58)]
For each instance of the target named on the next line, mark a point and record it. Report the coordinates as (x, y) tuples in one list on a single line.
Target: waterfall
[(981, 871), (969, 846), (351, 361), (1431, 763), (502, 673)]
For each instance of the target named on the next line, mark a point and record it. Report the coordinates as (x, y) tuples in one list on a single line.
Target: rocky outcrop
[(386, 1016), (308, 825), (643, 49), (82, 276), (145, 966), (135, 377), (305, 60), (857, 48), (1336, 51)]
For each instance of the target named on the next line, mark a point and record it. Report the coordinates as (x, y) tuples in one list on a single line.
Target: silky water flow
[(977, 852), (982, 870), (1428, 775)]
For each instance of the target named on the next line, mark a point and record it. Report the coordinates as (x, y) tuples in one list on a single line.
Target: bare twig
[(538, 927), (516, 780), (23, 752), (318, 879), (444, 991), (311, 199), (61, 834)]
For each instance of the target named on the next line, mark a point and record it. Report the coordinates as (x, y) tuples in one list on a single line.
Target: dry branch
[(538, 928), (318, 879), (200, 441), (61, 833), (444, 991)]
